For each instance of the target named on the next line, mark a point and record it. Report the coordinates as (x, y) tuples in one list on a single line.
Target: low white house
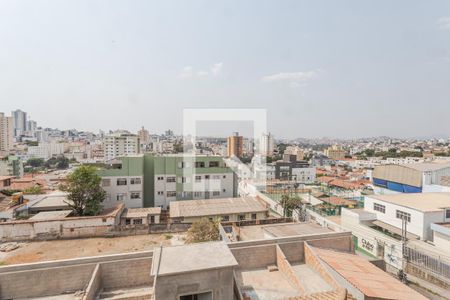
[(419, 209), (441, 235)]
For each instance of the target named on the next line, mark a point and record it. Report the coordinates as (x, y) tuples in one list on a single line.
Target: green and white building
[(147, 180)]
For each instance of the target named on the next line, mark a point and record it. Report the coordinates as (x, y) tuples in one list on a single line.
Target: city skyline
[(375, 70)]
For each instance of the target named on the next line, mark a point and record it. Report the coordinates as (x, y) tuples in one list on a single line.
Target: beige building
[(227, 209), (235, 145), (144, 136), (120, 144), (6, 133), (138, 216), (295, 150), (335, 152)]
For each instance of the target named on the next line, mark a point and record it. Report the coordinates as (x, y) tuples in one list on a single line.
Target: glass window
[(225, 218), (447, 214), (171, 194), (213, 164), (171, 179), (403, 215), (135, 195), (199, 164), (379, 207), (135, 181), (121, 181)]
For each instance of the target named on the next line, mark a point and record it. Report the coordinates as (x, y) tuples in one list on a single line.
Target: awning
[(395, 230)]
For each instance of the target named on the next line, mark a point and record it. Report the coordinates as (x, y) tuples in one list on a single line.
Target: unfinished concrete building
[(315, 266)]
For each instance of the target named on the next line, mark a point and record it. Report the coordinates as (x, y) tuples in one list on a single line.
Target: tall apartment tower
[(267, 144), (144, 136), (20, 122), (6, 133), (235, 145), (120, 144)]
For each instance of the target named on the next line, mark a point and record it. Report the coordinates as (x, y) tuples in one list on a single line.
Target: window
[(201, 296), (171, 194), (185, 180), (121, 181), (224, 190), (160, 178), (106, 182), (198, 178), (379, 207), (403, 215), (224, 176), (137, 221), (199, 164), (135, 181), (225, 218), (206, 177), (121, 197), (171, 179), (213, 164), (160, 193), (135, 195), (215, 176), (447, 214), (127, 221), (216, 193), (241, 217), (197, 194), (253, 216)]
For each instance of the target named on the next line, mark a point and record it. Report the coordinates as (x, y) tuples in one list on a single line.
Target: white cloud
[(216, 68), (188, 71), (443, 23), (293, 79)]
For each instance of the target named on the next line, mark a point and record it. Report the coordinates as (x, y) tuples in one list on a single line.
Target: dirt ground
[(64, 249)]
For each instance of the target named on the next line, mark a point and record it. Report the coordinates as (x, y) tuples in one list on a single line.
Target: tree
[(203, 230), (35, 162), (84, 191), (289, 203)]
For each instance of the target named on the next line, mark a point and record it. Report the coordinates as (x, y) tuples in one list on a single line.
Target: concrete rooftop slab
[(191, 258)]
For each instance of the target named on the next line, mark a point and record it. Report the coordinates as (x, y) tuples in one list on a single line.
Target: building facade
[(120, 144), (147, 180), (6, 134), (235, 145)]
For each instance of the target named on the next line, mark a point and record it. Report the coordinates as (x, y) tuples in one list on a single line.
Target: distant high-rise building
[(20, 122), (31, 126), (295, 150), (235, 145), (120, 144), (6, 133), (144, 136), (267, 144)]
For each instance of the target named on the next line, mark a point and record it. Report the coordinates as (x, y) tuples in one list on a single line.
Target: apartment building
[(267, 144), (120, 144), (235, 145), (20, 122), (46, 150), (335, 152), (6, 134), (11, 166), (147, 180)]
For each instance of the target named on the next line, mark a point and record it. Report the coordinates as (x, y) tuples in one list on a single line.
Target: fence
[(430, 263)]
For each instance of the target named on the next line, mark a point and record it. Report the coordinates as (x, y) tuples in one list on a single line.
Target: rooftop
[(366, 277), (282, 230), (141, 212), (424, 202), (211, 207), (189, 258), (46, 215), (428, 166)]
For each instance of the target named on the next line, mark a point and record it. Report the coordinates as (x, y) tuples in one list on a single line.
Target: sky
[(320, 68)]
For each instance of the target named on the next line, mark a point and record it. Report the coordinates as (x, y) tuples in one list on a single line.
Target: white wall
[(416, 226), (113, 190)]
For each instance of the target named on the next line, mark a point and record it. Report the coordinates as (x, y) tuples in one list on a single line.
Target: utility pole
[(402, 272)]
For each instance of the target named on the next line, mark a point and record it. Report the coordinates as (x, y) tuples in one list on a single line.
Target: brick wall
[(294, 251), (255, 256), (313, 262), (285, 267), (126, 273)]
